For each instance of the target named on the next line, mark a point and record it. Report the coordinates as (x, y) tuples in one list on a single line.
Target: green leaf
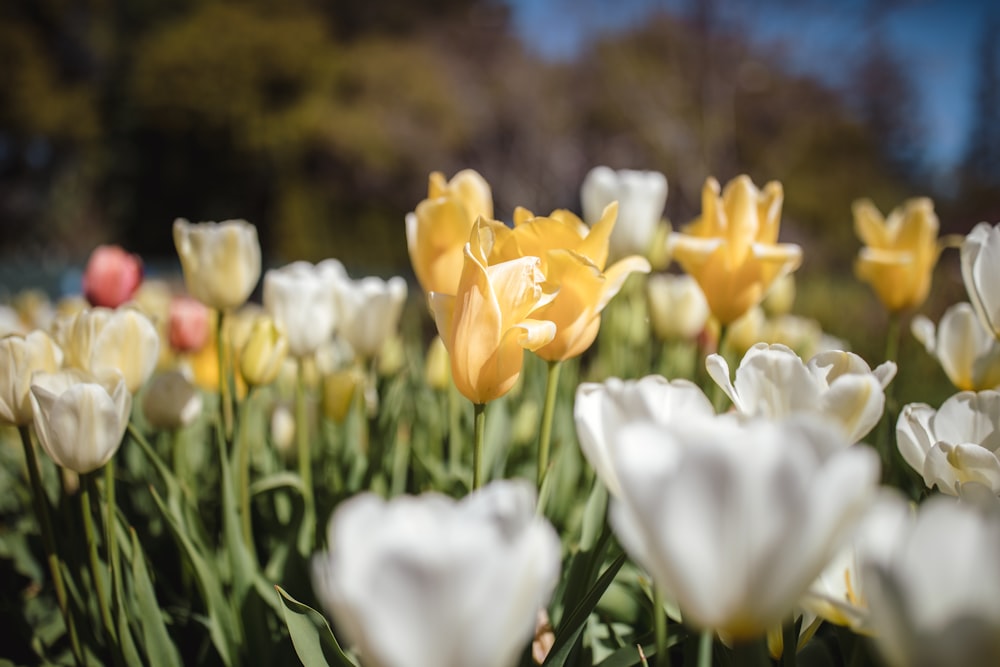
[(221, 625), (311, 635), (160, 649), (571, 626)]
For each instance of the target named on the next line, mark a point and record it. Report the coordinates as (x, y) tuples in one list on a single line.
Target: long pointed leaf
[(311, 635)]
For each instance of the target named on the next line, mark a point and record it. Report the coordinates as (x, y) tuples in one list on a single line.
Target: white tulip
[(981, 272), (302, 298), (735, 518), (602, 409), (968, 353), (171, 401), (80, 419), (370, 312), (955, 444), (677, 308), (772, 381), (641, 196), (101, 340), (428, 581), (935, 598), (220, 260), (20, 357), (838, 594)]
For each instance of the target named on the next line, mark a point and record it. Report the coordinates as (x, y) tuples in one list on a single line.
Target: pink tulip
[(189, 325), (112, 276)]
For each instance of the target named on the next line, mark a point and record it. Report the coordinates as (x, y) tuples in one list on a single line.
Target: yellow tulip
[(573, 256), (900, 251), (485, 325), (732, 250), (263, 353), (437, 231)]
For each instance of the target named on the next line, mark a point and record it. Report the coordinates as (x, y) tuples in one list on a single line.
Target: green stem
[(477, 451), (86, 486), (306, 533), (225, 397), (884, 441), (243, 468), (750, 653), (455, 404), (48, 541), (719, 398), (110, 519), (790, 642), (545, 437), (660, 628), (705, 648)]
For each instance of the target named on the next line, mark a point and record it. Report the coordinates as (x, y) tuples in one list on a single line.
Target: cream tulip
[(221, 261), (263, 353), (100, 340), (736, 518), (602, 409), (677, 308), (428, 581), (956, 444), (171, 401), (79, 418), (302, 299), (772, 381), (641, 196), (968, 353), (370, 310), (981, 272), (935, 597), (20, 357)]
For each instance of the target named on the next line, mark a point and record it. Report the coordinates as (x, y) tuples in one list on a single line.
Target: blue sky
[(936, 39)]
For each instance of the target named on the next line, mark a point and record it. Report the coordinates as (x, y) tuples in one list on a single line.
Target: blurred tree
[(980, 171)]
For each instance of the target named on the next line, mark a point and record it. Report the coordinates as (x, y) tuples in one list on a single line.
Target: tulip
[(36, 309), (101, 340), (677, 308), (188, 325), (20, 357), (436, 366), (171, 401), (935, 597), (772, 381), (111, 277), (956, 444), (780, 298), (602, 409), (80, 419), (486, 326), (967, 352), (370, 309), (428, 581), (900, 251), (221, 261), (573, 260), (339, 389), (732, 249), (263, 353), (981, 272), (737, 518), (641, 196), (839, 594), (302, 298), (437, 231)]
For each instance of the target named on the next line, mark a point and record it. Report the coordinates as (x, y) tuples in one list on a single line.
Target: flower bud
[(263, 353), (221, 261), (338, 393), (111, 277), (20, 357), (171, 401), (189, 325)]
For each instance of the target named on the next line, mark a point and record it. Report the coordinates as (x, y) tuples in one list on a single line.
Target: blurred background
[(320, 120)]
